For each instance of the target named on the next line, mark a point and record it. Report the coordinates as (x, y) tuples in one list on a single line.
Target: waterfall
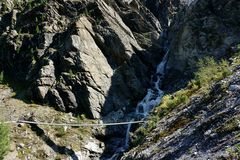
[(127, 135), (126, 145), (151, 100), (153, 97), (154, 94)]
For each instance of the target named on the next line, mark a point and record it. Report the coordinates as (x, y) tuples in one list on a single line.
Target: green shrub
[(4, 140), (60, 131), (37, 29), (1, 77), (209, 70), (234, 152)]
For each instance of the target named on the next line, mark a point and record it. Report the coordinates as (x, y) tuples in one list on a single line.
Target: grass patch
[(4, 140), (60, 131), (234, 153), (209, 71), (229, 126), (1, 78), (175, 126)]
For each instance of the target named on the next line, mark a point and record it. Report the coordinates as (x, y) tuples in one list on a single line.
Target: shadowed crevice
[(56, 148)]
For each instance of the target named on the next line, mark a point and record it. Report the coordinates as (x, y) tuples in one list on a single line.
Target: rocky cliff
[(98, 57), (204, 28), (89, 57), (207, 127), (92, 58)]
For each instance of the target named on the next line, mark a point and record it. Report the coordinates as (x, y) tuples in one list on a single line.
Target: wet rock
[(165, 11), (237, 102), (234, 88)]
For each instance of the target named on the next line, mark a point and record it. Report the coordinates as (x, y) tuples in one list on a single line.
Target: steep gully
[(151, 100)]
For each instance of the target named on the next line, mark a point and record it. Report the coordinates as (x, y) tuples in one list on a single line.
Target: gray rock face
[(45, 79), (96, 57), (234, 88), (55, 99), (206, 128), (205, 28), (96, 72), (87, 57)]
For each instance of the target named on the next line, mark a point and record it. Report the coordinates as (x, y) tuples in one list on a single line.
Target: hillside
[(204, 127), (171, 63)]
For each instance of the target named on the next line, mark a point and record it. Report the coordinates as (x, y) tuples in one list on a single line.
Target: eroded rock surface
[(96, 57), (207, 128), (205, 28), (91, 57)]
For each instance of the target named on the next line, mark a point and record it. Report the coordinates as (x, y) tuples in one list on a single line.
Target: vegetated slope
[(205, 125), (194, 122), (205, 28)]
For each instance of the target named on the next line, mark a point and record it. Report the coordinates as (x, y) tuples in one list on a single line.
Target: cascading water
[(123, 148), (127, 136), (151, 100), (154, 94)]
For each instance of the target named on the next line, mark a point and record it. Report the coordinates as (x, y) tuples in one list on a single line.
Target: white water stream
[(154, 94), (151, 100)]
